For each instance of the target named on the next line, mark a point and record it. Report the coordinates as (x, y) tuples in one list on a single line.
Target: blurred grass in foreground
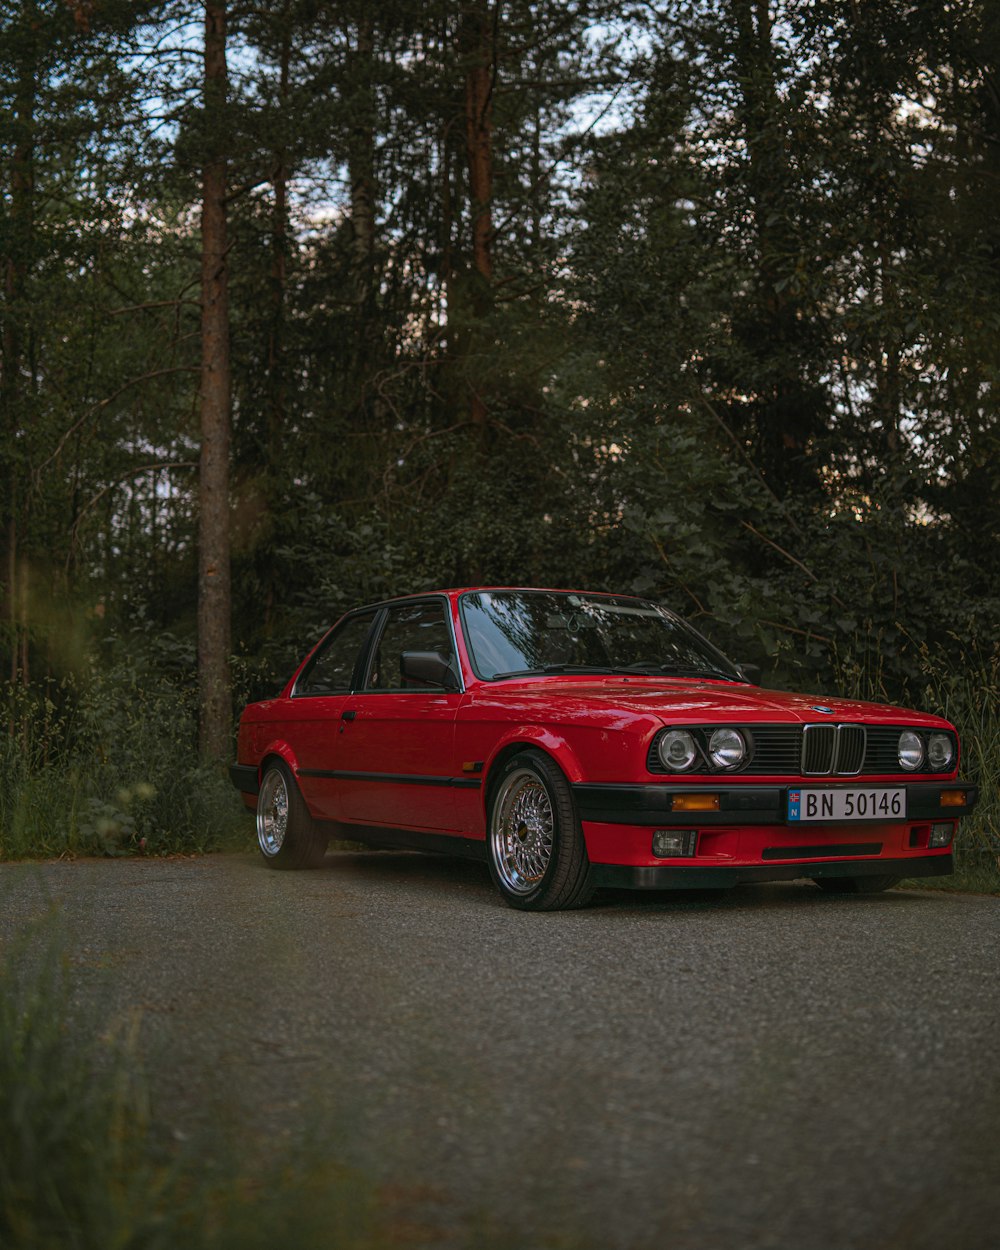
[(83, 1165)]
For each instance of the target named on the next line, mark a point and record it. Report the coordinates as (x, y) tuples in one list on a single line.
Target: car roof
[(454, 592)]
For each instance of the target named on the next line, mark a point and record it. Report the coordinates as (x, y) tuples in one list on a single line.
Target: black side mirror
[(428, 668)]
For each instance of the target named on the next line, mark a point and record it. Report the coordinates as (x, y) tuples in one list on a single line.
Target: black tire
[(287, 835), (537, 855), (856, 885)]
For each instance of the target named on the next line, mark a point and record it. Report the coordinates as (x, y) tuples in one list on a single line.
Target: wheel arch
[(528, 738), (280, 753)]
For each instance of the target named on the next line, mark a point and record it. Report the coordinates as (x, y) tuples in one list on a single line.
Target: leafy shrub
[(108, 763)]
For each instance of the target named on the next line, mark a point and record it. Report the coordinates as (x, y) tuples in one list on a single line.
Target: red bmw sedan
[(576, 740)]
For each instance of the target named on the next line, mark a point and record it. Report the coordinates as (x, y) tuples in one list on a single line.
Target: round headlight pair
[(678, 750), (940, 751)]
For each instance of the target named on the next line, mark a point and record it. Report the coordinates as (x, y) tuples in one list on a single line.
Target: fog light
[(694, 803), (941, 835), (674, 843)]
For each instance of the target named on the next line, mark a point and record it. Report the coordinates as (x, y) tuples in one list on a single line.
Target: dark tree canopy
[(694, 299)]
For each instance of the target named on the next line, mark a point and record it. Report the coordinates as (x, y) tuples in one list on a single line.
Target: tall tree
[(214, 589)]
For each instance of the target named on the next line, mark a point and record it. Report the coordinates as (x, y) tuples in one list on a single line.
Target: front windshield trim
[(717, 666)]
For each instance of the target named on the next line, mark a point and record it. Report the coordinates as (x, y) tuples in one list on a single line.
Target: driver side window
[(408, 627)]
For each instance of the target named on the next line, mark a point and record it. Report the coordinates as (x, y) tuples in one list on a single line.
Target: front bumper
[(749, 837), (746, 804)]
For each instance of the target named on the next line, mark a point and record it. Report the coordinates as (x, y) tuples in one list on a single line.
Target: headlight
[(911, 750), (677, 750), (727, 748), (940, 752)]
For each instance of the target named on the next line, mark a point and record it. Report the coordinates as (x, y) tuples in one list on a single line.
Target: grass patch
[(975, 873), (110, 767)]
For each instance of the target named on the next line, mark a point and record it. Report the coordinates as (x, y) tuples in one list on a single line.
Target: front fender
[(554, 745)]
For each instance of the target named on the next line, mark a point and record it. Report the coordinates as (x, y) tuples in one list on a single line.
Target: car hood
[(680, 701)]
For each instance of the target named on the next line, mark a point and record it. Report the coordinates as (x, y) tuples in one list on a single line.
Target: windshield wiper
[(635, 670), (545, 669), (691, 670)]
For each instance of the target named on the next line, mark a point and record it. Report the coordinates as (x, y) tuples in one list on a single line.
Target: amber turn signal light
[(694, 803), (953, 798)]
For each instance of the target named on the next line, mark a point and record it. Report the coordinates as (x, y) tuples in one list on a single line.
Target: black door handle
[(348, 715)]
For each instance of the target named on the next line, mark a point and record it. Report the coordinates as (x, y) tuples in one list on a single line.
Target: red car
[(577, 740)]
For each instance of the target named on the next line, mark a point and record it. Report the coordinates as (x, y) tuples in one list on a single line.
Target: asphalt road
[(778, 1068)]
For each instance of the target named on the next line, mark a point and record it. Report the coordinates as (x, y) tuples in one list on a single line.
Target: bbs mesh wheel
[(287, 835), (537, 856)]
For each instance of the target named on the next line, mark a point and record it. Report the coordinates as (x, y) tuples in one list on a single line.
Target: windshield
[(520, 633)]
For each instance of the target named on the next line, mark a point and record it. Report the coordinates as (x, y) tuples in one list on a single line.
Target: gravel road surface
[(776, 1068)]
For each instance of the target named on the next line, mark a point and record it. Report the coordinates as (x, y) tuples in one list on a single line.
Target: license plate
[(853, 804)]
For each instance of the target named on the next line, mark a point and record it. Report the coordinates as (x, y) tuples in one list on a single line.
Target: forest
[(313, 302)]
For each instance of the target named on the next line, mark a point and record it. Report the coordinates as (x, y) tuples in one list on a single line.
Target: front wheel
[(537, 855), (287, 835), (856, 885)]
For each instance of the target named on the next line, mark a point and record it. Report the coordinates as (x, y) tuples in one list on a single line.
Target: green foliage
[(107, 764)]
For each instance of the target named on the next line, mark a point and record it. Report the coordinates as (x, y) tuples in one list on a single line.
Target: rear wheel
[(538, 858), (856, 885), (287, 835)]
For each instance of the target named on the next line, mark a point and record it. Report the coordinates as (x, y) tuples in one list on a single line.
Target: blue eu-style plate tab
[(794, 804)]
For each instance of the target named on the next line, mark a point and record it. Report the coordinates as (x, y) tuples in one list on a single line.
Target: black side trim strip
[(392, 779), (620, 876)]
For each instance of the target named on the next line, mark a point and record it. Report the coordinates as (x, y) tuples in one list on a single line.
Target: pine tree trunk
[(785, 408), (15, 268), (213, 483), (478, 40), (279, 259), (361, 163)]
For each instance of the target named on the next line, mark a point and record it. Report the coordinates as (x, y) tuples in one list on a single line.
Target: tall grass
[(969, 696), (84, 1166), (108, 765), (963, 685)]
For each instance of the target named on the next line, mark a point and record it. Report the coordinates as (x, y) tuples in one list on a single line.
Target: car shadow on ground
[(442, 872)]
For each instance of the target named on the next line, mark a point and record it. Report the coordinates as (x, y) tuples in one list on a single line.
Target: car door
[(314, 727), (396, 756)]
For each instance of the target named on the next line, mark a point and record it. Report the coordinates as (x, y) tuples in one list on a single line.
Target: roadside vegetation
[(106, 763), (109, 764)]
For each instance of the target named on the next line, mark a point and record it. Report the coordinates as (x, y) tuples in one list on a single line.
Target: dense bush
[(106, 762)]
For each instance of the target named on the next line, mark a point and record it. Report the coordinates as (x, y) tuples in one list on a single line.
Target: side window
[(332, 668), (408, 627)]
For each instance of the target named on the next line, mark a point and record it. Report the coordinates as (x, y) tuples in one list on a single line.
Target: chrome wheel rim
[(521, 831), (272, 813)]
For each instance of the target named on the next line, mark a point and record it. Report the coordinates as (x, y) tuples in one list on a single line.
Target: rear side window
[(408, 627), (331, 670)]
